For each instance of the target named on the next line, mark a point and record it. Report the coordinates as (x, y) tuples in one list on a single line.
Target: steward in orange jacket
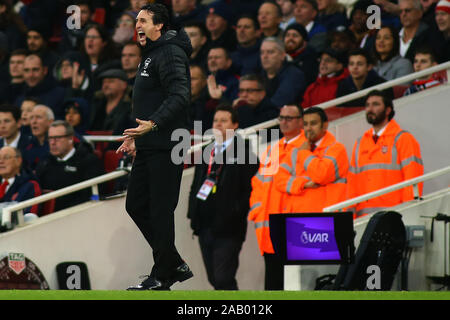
[(265, 198), (313, 176), (383, 156)]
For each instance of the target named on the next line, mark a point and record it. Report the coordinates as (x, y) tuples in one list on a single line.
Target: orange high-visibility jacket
[(265, 199), (327, 166), (394, 158)]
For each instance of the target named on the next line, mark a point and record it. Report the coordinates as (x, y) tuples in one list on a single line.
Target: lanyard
[(211, 159)]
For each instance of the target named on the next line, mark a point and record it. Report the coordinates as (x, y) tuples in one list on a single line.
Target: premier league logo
[(144, 72)]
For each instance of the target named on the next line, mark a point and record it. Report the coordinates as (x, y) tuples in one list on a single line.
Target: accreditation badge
[(206, 189)]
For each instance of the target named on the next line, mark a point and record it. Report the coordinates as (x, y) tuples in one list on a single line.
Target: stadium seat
[(111, 162), (399, 90), (48, 206)]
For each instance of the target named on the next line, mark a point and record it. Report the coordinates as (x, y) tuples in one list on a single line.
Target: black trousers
[(274, 276), (152, 197), (221, 259)]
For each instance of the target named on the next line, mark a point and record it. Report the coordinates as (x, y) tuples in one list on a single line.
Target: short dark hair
[(322, 114), (200, 67), (250, 17), (19, 52), (387, 101), (361, 52), (14, 110), (227, 108), (197, 24), (254, 77), (297, 105), (426, 50), (227, 53), (133, 43), (36, 100), (160, 14)]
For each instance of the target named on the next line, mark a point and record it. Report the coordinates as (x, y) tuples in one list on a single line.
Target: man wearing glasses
[(67, 164), (266, 199), (253, 106)]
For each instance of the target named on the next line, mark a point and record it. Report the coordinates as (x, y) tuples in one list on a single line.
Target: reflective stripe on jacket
[(327, 167), (265, 199), (394, 158)]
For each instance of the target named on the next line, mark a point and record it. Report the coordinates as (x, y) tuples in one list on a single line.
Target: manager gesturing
[(161, 97)]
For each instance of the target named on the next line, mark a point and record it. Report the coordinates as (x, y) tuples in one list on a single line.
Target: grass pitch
[(220, 295)]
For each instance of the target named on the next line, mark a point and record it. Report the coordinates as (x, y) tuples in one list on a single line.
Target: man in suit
[(219, 223), (10, 125)]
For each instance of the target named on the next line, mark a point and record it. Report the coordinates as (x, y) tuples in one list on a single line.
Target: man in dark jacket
[(66, 165), (39, 84), (219, 223), (246, 57), (17, 185), (361, 77), (253, 106), (295, 41), (161, 97)]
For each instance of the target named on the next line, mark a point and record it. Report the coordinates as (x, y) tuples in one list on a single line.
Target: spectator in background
[(187, 10), (26, 109), (136, 5), (414, 32), (202, 107), (285, 81), (361, 77), (331, 71), (218, 23), (265, 199), (342, 41), (397, 158), (97, 48), (12, 25), (221, 224), (17, 183), (77, 115), (198, 35), (269, 19), (305, 57), (37, 149), (440, 39), (429, 8), (72, 38), (41, 86), (306, 12), (131, 57), (253, 106), (389, 64), (124, 30), (219, 65), (17, 82), (364, 36), (424, 59), (332, 15), (10, 124), (287, 9), (111, 107), (37, 37), (67, 164), (246, 57)]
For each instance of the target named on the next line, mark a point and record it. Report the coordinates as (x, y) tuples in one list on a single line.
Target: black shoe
[(150, 283), (182, 273)]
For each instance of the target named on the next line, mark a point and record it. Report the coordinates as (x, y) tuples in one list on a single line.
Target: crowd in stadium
[(68, 72)]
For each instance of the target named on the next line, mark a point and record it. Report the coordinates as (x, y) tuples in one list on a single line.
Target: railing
[(92, 183), (411, 182)]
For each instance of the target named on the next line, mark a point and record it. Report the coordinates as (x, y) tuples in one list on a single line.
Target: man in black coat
[(161, 97), (67, 164), (219, 214)]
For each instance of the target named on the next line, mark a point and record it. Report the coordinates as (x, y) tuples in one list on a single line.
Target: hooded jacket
[(162, 90)]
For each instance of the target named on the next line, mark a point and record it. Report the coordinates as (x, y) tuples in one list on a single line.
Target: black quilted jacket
[(162, 90)]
